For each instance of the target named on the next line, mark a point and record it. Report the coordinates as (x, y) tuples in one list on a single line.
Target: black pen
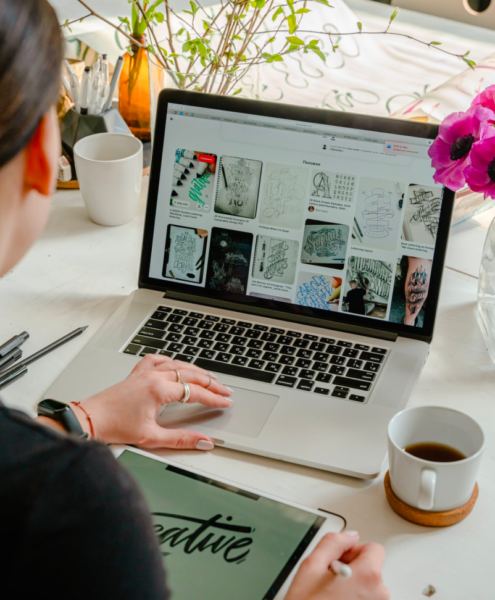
[(14, 342), (11, 376), (13, 355), (43, 351)]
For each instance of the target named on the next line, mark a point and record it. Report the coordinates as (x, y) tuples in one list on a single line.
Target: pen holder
[(75, 127)]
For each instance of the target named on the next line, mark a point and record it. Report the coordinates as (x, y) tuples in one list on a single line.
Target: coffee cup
[(427, 484), (109, 169)]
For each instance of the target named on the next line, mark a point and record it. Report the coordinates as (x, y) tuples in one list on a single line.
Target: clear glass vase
[(161, 78), (486, 291)]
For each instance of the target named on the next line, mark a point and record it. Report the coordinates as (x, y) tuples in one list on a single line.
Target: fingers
[(331, 547), (180, 439), (190, 374), (370, 557), (166, 391)]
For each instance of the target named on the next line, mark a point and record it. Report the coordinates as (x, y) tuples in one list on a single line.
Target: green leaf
[(151, 49), (291, 21), (334, 48), (470, 63), (324, 2), (159, 17), (301, 11), (314, 43), (360, 26), (290, 4), (135, 18), (194, 7), (181, 31), (277, 58), (271, 40), (258, 4), (435, 43), (66, 24), (293, 48), (206, 25), (188, 12), (186, 46), (279, 11), (394, 14), (237, 37), (201, 49), (237, 92), (163, 51), (319, 53), (292, 39)]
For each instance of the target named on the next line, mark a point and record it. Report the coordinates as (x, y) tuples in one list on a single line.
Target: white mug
[(109, 169), (428, 485)]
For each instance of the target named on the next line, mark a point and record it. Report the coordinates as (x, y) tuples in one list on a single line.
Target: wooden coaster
[(424, 517)]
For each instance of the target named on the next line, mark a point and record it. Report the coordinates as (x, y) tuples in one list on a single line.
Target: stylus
[(341, 569), (10, 357), (11, 376), (43, 351), (114, 82), (13, 343)]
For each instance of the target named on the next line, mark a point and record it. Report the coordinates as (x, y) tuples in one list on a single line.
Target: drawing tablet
[(222, 541)]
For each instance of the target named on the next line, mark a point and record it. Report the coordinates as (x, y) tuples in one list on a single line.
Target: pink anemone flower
[(486, 98), (480, 173), (451, 150)]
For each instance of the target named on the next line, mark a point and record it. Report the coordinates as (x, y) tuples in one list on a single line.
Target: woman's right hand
[(314, 580)]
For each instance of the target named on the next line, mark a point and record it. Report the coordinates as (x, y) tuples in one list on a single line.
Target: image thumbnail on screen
[(193, 180), (229, 260)]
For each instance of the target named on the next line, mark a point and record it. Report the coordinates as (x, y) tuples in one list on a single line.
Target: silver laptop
[(298, 254)]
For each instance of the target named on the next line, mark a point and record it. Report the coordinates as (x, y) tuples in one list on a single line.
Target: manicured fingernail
[(230, 389), (204, 445), (351, 533), (213, 376)]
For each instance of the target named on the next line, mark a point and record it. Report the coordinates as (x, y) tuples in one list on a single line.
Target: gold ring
[(210, 382), (178, 376), (187, 393)]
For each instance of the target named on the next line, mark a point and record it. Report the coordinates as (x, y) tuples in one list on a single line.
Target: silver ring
[(187, 393), (178, 376), (211, 381)]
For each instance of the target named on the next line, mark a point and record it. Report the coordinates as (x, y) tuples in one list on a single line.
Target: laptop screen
[(310, 218)]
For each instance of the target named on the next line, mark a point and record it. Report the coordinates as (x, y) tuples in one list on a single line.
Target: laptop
[(298, 254)]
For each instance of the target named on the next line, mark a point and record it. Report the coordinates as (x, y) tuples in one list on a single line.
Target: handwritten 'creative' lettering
[(206, 536)]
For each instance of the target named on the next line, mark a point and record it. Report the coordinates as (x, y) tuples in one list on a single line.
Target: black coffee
[(435, 452)]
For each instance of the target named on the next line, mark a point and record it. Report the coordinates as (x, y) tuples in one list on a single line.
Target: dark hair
[(31, 52)]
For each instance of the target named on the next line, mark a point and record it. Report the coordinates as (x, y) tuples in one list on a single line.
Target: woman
[(72, 522)]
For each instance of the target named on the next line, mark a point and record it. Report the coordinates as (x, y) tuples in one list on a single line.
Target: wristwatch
[(63, 414)]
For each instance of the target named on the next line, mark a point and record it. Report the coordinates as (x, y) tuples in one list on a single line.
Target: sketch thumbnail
[(283, 196), (185, 251), (324, 244), (229, 260), (409, 298), (318, 291), (377, 218), (238, 186), (367, 287), (192, 180), (422, 214), (333, 186), (275, 259)]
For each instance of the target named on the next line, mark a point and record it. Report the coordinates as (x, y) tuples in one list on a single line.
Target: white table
[(78, 273)]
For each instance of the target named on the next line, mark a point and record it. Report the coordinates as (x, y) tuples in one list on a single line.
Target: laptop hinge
[(275, 314)]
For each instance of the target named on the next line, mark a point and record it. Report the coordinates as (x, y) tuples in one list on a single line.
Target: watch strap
[(66, 418)]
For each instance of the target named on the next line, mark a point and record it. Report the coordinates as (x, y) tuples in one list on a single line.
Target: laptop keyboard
[(291, 359)]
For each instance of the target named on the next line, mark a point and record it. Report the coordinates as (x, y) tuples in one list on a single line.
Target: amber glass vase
[(134, 91)]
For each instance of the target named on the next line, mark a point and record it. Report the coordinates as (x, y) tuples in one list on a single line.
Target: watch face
[(53, 405)]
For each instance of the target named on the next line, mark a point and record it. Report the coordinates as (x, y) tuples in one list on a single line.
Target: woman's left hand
[(126, 413)]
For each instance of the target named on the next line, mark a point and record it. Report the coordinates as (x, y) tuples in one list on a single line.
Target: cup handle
[(427, 489)]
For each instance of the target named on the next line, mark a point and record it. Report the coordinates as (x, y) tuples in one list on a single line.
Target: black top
[(73, 523), (355, 298)]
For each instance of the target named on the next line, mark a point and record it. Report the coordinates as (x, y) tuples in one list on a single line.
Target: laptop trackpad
[(246, 416)]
